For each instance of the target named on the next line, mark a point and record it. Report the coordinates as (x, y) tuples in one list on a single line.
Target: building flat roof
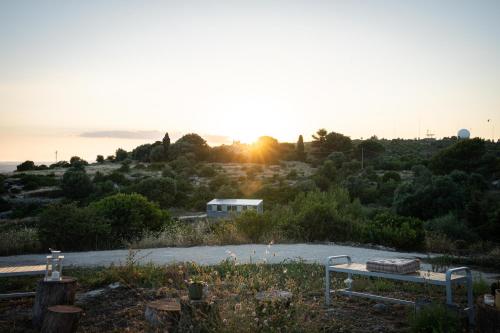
[(243, 202)]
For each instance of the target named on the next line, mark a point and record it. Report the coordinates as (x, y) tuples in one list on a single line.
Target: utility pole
[(492, 130), (56, 156)]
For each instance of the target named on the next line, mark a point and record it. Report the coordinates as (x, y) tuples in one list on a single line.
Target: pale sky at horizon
[(72, 71)]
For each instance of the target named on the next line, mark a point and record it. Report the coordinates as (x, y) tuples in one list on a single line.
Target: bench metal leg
[(327, 275), (470, 297), (327, 286)]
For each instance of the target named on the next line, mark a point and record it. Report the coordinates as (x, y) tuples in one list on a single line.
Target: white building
[(224, 207)]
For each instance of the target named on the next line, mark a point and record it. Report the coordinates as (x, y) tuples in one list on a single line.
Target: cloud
[(212, 139), (217, 140), (153, 135)]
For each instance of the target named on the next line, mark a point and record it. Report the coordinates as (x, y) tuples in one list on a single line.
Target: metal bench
[(20, 271), (440, 279)]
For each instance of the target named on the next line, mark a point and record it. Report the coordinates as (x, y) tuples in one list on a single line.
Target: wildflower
[(224, 321), (285, 270), (237, 307)]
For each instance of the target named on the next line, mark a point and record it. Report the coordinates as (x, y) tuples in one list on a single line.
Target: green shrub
[(253, 225), (76, 184), (160, 190), (435, 318), (68, 227), (26, 166), (129, 215), (207, 171), (386, 228), (450, 226), (324, 216)]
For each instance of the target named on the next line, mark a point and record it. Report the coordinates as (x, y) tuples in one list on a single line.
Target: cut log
[(163, 313), (201, 310), (61, 319), (49, 293)]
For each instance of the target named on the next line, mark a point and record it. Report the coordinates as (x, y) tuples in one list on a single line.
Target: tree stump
[(61, 319), (199, 315), (164, 313), (49, 293)]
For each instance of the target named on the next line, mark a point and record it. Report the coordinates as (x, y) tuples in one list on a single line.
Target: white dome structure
[(463, 134)]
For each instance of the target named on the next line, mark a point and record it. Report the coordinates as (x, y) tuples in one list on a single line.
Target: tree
[(465, 155), (369, 149), (100, 159), (26, 166), (157, 154), (325, 143), (301, 154), (166, 144), (76, 184), (142, 152), (129, 215), (160, 190), (121, 155), (265, 150), (190, 145)]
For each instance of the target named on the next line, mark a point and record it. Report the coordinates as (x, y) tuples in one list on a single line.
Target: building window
[(219, 208), (214, 208), (244, 208)]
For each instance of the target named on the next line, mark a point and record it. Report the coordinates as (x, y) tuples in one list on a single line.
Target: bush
[(26, 166), (77, 163), (76, 184), (435, 318), (67, 227), (160, 190), (324, 216), (253, 225), (391, 175), (157, 154), (386, 228), (450, 226), (120, 155), (33, 182), (100, 159), (207, 171), (129, 215)]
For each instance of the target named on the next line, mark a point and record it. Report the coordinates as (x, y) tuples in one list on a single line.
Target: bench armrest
[(450, 271), (329, 259)]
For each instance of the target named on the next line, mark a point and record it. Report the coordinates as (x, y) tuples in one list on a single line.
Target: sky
[(87, 77)]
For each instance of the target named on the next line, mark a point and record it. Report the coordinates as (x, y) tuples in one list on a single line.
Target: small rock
[(90, 294), (114, 285), (381, 307)]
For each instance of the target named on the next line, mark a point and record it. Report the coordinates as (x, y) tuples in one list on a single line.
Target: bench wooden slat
[(419, 276), (22, 270)]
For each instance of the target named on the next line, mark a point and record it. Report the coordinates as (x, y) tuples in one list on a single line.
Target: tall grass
[(18, 241)]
